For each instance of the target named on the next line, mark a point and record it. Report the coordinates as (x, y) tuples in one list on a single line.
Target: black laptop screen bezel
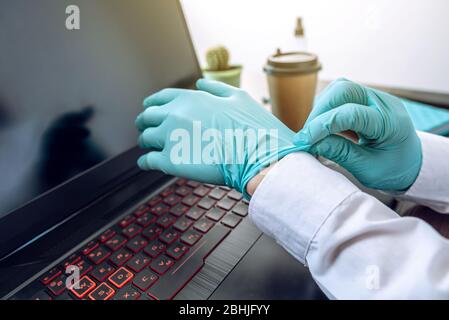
[(21, 226)]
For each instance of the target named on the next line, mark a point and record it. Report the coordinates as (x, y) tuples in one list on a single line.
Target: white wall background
[(400, 43)]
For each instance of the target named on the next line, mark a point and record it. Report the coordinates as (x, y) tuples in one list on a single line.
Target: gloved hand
[(217, 135), (388, 155)]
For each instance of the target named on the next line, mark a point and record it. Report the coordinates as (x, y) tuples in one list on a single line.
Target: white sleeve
[(354, 246), (431, 188)]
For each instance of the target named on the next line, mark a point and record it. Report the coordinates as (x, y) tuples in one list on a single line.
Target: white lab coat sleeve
[(354, 246), (431, 188)]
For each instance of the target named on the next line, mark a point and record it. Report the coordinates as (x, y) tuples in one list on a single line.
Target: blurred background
[(401, 43)]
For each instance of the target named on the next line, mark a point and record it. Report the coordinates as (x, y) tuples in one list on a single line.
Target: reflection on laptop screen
[(68, 98)]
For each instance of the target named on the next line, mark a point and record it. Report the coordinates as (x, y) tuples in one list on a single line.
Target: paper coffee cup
[(292, 80)]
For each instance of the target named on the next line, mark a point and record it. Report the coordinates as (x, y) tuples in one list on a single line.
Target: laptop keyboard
[(153, 252)]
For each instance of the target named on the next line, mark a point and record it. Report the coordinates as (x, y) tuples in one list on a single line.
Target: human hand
[(388, 155), (217, 135)]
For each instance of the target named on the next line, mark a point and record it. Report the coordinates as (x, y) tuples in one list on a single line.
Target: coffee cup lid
[(292, 63)]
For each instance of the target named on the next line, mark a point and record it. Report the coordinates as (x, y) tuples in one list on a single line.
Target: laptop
[(78, 219)]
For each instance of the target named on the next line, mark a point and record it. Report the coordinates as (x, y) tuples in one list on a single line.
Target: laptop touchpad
[(268, 272)]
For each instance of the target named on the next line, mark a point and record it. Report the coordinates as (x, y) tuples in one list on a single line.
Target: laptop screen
[(72, 81)]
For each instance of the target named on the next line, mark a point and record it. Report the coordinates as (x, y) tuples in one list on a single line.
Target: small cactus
[(217, 59)]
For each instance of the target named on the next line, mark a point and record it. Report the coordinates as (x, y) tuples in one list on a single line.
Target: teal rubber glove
[(217, 135), (388, 155)]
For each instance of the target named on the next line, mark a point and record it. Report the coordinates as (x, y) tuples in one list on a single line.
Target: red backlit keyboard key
[(177, 277), (132, 230), (127, 293), (206, 203), (182, 224), (120, 257), (108, 234), (50, 275), (89, 247), (162, 264), (190, 200), (183, 191), (159, 209), (166, 221), (70, 261), (146, 219), (83, 287), (168, 191), (191, 237), (83, 266), (231, 220), (201, 191), (102, 292), (155, 248), (141, 210), (57, 285), (137, 244), (99, 255), (193, 184), (215, 214), (154, 201), (172, 200), (138, 262), (217, 193), (235, 195), (116, 242), (179, 210), (241, 209), (204, 225), (169, 236), (177, 250), (195, 213), (181, 182), (121, 277), (126, 221), (145, 279), (102, 271), (152, 232), (226, 204)]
